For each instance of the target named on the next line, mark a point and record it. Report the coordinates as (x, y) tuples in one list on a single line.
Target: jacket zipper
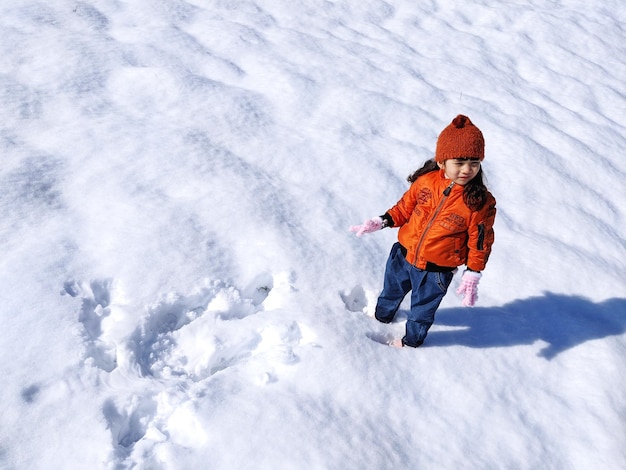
[(446, 193)]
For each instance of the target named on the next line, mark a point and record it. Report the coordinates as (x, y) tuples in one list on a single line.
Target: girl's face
[(461, 170)]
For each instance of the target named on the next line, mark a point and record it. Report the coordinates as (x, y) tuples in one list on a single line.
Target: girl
[(445, 220)]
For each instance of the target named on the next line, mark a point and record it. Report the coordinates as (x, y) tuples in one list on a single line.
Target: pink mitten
[(469, 288), (369, 226)]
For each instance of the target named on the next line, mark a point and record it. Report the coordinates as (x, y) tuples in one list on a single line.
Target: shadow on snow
[(561, 321)]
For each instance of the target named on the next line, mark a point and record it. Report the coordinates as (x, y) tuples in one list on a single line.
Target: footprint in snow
[(128, 423), (184, 341), (194, 335), (360, 300), (95, 307), (153, 340), (381, 338)]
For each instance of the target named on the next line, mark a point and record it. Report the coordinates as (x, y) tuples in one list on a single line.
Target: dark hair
[(427, 167), (474, 192)]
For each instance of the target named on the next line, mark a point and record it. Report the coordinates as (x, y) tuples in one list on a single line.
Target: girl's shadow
[(561, 321)]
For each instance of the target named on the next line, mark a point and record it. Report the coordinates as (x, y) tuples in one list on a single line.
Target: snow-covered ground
[(178, 285)]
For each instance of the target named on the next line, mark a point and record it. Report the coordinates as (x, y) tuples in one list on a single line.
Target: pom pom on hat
[(461, 139)]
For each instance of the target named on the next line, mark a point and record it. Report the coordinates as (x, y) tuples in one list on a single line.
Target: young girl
[(445, 220)]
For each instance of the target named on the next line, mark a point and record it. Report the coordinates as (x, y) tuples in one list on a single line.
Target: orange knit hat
[(461, 139)]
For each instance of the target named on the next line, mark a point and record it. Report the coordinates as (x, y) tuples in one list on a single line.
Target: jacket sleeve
[(401, 212), (481, 236)]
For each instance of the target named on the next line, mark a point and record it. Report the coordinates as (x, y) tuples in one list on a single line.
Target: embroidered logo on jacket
[(424, 196), (453, 222)]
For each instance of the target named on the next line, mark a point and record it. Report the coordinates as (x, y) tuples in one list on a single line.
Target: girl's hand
[(369, 226), (469, 287)]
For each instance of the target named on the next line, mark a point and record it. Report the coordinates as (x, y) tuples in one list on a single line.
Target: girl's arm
[(481, 235), (401, 212)]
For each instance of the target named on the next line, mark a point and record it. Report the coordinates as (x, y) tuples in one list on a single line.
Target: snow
[(179, 286)]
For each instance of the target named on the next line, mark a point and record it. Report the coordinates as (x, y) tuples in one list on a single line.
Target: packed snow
[(179, 286)]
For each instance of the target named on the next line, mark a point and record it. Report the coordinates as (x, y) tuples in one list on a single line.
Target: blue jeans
[(428, 289)]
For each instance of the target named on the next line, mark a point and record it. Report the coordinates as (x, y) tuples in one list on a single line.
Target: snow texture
[(178, 285)]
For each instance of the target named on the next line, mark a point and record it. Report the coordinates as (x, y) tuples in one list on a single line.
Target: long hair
[(427, 167), (474, 192)]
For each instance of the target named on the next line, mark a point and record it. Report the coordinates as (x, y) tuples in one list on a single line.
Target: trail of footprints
[(179, 343)]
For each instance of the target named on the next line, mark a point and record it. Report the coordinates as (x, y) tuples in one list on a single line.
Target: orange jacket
[(439, 228)]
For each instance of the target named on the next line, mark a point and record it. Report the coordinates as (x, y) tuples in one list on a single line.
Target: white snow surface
[(179, 288)]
